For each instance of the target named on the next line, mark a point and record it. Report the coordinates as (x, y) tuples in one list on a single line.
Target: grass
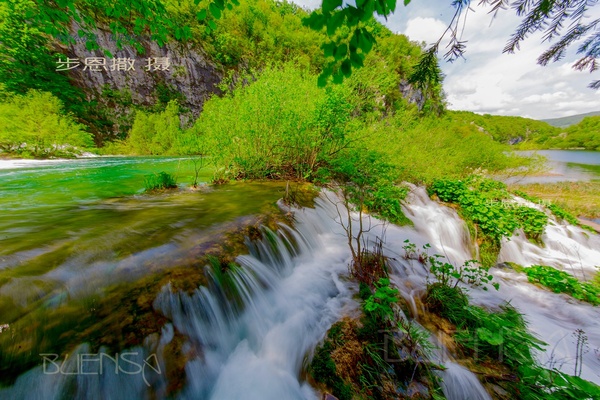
[(159, 181), (579, 198)]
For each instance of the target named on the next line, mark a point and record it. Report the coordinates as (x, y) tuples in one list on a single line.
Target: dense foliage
[(563, 282), (506, 129), (156, 133), (486, 203), (427, 148), (35, 125), (26, 58), (282, 125), (584, 135)]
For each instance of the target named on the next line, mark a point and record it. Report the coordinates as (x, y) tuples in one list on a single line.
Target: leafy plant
[(379, 304), (469, 273), (563, 282), (532, 221), (447, 274), (556, 210), (498, 335), (485, 202), (159, 181)]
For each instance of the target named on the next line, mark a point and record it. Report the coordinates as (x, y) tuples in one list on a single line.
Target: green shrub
[(428, 148), (484, 201), (155, 133), (280, 126), (379, 305), (159, 181), (532, 221), (36, 124), (563, 282)]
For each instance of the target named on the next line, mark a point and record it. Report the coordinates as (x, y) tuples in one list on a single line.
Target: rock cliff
[(134, 76)]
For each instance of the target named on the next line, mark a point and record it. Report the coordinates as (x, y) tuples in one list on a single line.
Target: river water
[(564, 165), (247, 335)]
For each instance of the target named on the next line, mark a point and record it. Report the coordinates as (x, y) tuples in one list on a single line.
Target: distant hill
[(571, 120)]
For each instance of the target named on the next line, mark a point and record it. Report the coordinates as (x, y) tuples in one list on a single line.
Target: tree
[(35, 124), (25, 60), (350, 41), (347, 27)]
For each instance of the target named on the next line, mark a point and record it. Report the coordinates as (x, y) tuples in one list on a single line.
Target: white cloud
[(426, 30), (489, 81)]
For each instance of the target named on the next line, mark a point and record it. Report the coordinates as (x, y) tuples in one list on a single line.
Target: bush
[(280, 126), (155, 133), (36, 124), (159, 181), (428, 148)]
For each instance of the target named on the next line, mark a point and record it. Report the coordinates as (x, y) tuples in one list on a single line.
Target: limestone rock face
[(140, 77)]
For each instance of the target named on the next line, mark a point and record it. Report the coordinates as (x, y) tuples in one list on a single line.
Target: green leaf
[(314, 21), (364, 42), (356, 59), (391, 4), (493, 338), (322, 80), (201, 15), (212, 25), (338, 78), (346, 68), (341, 51), (406, 2), (214, 10), (330, 5), (334, 22), (328, 49)]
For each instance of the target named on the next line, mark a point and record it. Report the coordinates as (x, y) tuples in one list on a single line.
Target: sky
[(488, 81)]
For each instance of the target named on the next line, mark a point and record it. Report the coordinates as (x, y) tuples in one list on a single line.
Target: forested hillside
[(565, 122), (584, 135)]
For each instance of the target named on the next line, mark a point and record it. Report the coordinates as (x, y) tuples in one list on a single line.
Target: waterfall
[(248, 332), (458, 383), (552, 317)]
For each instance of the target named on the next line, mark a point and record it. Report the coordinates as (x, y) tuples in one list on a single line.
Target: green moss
[(488, 252), (324, 371)]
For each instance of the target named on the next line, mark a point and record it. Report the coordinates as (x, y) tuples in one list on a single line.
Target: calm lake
[(565, 165)]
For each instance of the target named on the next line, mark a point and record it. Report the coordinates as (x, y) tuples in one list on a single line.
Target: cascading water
[(553, 318), (566, 247), (247, 333)]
